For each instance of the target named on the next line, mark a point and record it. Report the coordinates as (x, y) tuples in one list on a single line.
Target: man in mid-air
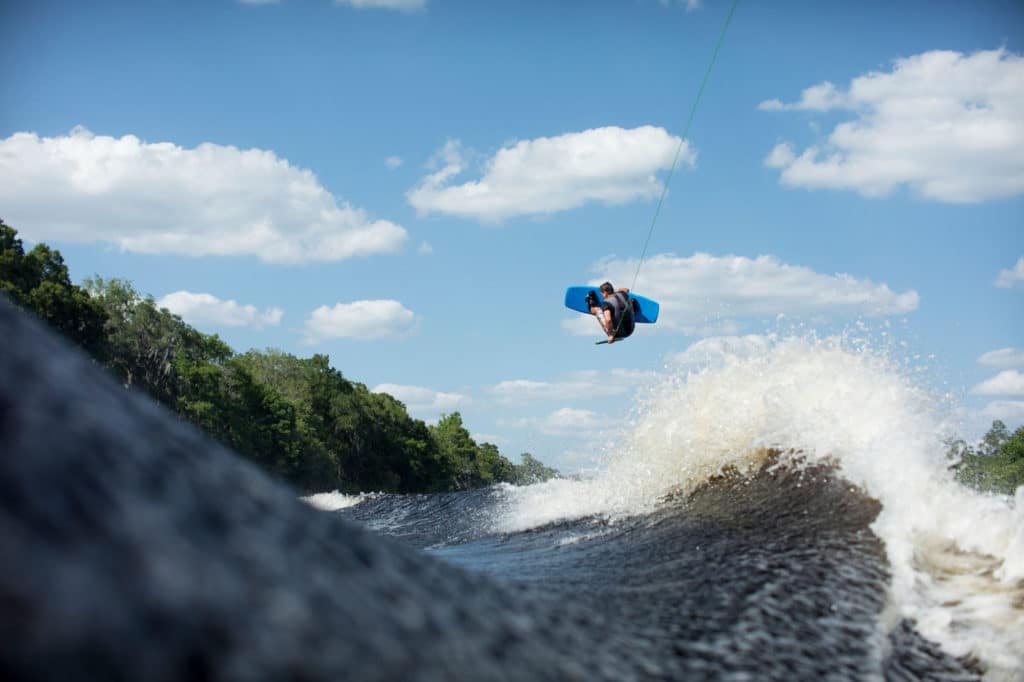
[(615, 313)]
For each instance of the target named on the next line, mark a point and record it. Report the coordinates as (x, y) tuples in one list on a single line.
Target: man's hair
[(607, 288)]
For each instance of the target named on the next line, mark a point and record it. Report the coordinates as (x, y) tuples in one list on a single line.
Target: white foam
[(333, 501), (956, 556)]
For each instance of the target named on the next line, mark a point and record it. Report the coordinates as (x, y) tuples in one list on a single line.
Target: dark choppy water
[(774, 576), (840, 547)]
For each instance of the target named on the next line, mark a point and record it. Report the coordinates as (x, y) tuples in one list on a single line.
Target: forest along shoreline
[(297, 418)]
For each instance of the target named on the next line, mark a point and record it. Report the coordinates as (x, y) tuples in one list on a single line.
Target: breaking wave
[(956, 556)]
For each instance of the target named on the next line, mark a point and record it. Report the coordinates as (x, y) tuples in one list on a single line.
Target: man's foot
[(591, 300)]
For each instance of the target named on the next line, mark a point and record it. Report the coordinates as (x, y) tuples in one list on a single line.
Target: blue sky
[(409, 185)]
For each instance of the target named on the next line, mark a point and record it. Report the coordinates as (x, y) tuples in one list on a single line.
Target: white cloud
[(822, 97), (1010, 412), (423, 403), (403, 5), (582, 385), (361, 320), (1011, 278), (521, 388), (206, 310), (426, 248), (705, 293), (162, 198), (771, 105), (691, 5), (582, 325), (393, 162), (780, 156), (1007, 382), (492, 438), (569, 421), (949, 126), (564, 422), (1004, 357), (535, 177)]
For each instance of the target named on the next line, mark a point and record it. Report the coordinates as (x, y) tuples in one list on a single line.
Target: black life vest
[(622, 313)]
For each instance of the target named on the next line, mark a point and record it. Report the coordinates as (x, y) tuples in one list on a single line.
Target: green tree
[(14, 280), (39, 281), (458, 450), (367, 439), (993, 441), (531, 470), (307, 385), (471, 465), (144, 342), (998, 463), (200, 377), (259, 422), (491, 466)]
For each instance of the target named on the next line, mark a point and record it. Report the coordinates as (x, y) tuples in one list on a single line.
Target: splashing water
[(956, 556), (333, 501)]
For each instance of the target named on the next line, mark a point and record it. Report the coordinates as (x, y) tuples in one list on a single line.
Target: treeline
[(996, 464), (298, 418)]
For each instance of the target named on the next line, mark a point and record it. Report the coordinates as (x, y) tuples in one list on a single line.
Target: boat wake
[(797, 495)]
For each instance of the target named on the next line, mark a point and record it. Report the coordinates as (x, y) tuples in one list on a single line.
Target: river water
[(786, 512)]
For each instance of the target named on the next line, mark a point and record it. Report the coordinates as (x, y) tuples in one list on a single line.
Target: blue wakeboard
[(575, 299)]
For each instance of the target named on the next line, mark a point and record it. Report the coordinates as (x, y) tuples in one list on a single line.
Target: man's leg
[(594, 304)]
